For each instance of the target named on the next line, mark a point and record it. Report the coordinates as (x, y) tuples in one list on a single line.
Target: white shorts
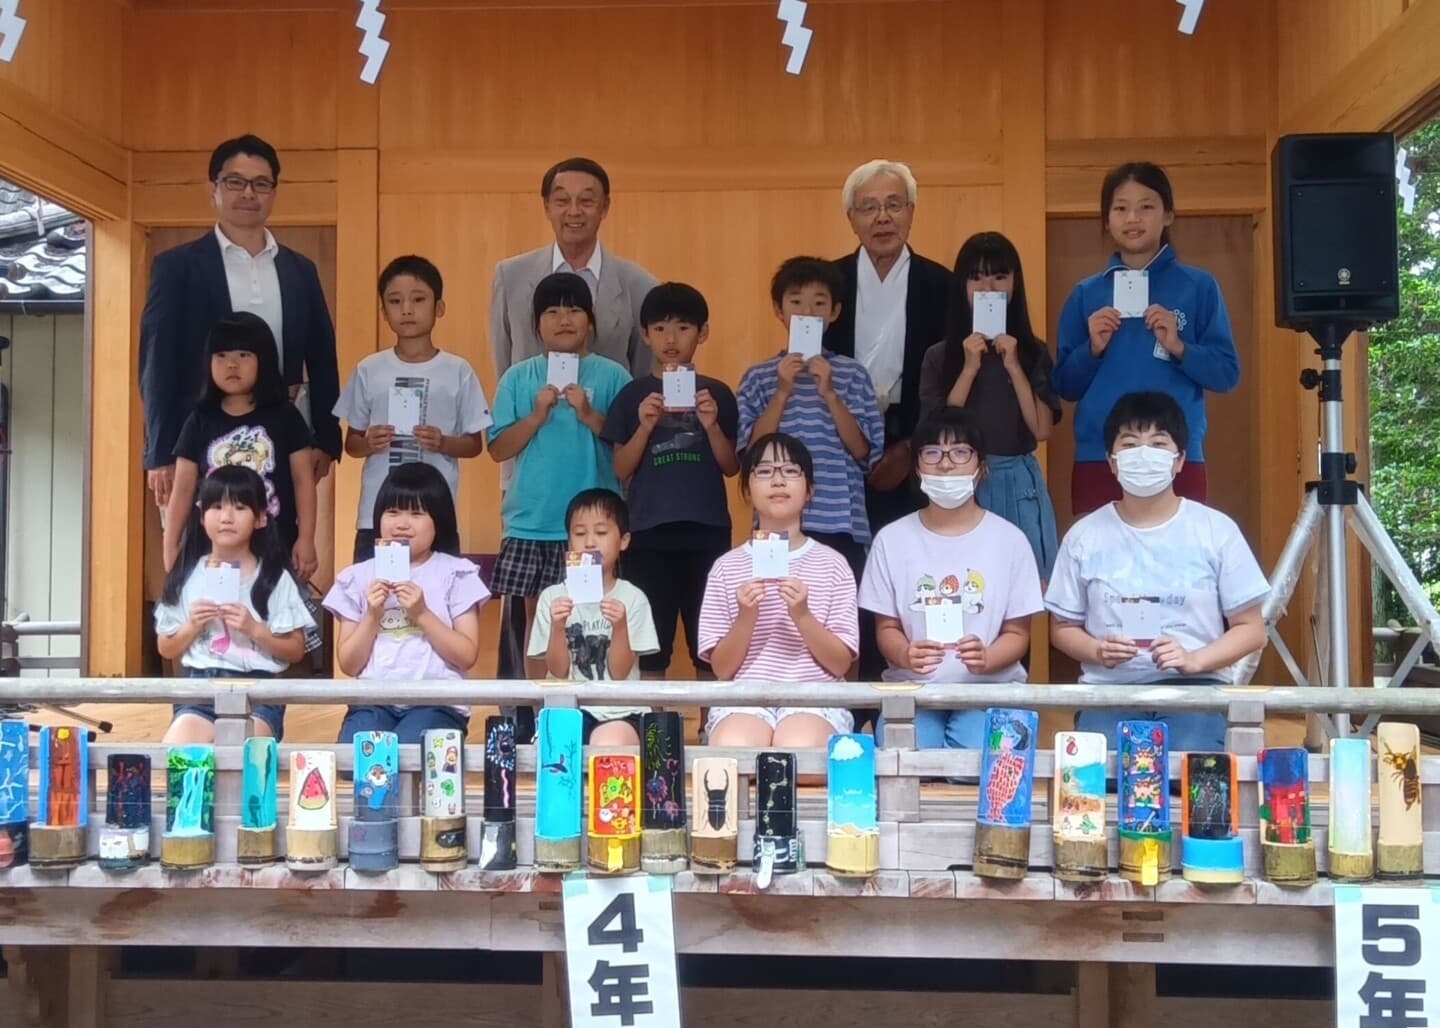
[(840, 719)]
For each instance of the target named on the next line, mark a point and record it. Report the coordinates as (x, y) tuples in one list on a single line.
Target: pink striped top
[(777, 652)]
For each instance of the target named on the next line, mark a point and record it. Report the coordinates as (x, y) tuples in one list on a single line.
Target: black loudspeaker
[(1336, 248)]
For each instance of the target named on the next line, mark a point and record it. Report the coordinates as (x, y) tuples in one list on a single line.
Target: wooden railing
[(927, 837)]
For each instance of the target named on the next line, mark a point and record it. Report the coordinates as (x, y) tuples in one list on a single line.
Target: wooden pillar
[(554, 991), (87, 974), (1132, 996), (1092, 995), (1023, 195), (357, 255), (115, 482)]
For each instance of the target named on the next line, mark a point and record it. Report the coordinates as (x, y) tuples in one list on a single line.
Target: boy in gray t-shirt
[(412, 403)]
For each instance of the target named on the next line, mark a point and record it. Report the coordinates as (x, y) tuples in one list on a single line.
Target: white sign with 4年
[(1387, 956), (620, 948)]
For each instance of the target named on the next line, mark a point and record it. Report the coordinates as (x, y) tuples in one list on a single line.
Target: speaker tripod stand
[(1332, 504)]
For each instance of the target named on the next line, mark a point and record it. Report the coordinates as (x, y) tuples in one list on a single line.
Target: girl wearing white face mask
[(1155, 588), (953, 587)]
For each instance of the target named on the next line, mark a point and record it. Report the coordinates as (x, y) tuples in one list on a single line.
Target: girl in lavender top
[(423, 629)]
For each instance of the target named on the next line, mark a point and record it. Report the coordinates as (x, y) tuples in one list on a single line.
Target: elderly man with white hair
[(892, 310)]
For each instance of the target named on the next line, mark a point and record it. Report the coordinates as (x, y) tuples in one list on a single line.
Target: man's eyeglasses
[(893, 207), (932, 455), (765, 472), (239, 183)]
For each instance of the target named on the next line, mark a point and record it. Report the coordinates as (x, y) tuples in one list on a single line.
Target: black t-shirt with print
[(262, 441), (678, 479)]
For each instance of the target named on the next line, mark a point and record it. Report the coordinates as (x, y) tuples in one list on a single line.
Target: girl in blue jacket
[(1181, 344)]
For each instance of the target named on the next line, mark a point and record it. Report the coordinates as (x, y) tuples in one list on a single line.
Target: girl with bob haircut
[(424, 628), (951, 554), (803, 627)]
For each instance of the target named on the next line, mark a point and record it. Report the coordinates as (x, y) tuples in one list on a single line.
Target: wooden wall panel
[(70, 60), (1116, 68), (878, 73), (1319, 37), (193, 79)]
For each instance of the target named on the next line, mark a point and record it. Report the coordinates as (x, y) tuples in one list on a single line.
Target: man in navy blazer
[(237, 266)]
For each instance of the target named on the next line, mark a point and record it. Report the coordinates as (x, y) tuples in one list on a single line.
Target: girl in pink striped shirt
[(800, 628)]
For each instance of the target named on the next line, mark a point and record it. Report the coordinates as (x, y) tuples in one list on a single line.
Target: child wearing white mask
[(955, 553), (1154, 588)]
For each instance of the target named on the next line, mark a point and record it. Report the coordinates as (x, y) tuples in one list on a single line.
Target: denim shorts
[(272, 714)]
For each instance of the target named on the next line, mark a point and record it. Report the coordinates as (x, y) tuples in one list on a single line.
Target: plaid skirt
[(527, 566)]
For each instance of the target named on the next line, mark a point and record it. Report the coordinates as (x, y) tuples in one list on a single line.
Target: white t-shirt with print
[(990, 570), (588, 633), (451, 401), (216, 647), (1196, 567)]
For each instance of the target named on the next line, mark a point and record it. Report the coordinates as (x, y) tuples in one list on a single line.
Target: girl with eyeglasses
[(1004, 383), (803, 627), (952, 554)]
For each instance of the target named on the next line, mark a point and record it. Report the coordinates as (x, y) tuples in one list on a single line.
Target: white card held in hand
[(1140, 619), (944, 621), (392, 560), (989, 310), (1132, 293), (770, 555), (678, 387), (405, 403), (222, 581), (563, 370), (806, 335), (584, 576)]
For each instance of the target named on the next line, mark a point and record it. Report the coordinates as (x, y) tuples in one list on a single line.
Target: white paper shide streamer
[(12, 27), (1404, 182), (1191, 17), (797, 36), (372, 47)]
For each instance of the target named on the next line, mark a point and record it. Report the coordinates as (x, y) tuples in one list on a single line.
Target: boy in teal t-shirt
[(553, 435)]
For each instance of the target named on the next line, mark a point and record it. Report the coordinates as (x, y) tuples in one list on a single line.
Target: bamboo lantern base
[(187, 852), (374, 846), (255, 847), (1001, 851), (497, 846), (852, 854), (124, 849), (56, 848), (1212, 861), (1081, 860), (1344, 867), (1139, 849), (713, 854), (612, 855), (1396, 861), (442, 844), (311, 849), (557, 856), (1289, 863), (663, 851)]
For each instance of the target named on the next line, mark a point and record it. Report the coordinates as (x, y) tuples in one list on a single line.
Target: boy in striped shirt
[(827, 402)]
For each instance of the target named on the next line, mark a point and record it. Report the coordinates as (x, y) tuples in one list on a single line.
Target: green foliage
[(1405, 388)]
